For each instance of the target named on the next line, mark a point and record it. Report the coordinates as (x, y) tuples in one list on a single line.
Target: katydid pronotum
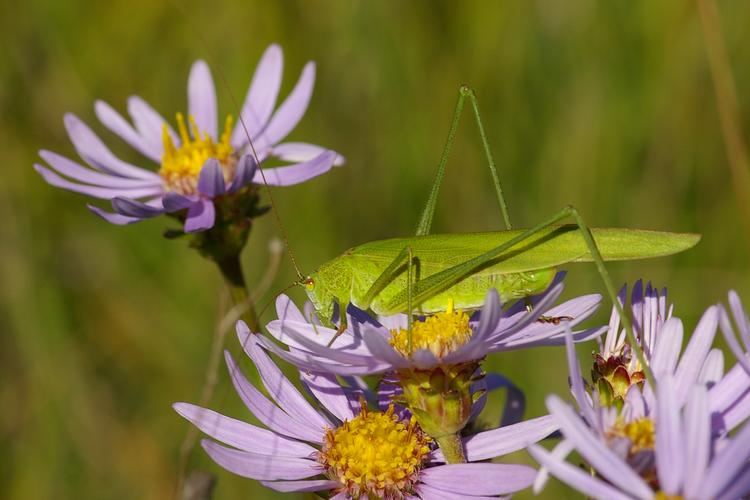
[(422, 273)]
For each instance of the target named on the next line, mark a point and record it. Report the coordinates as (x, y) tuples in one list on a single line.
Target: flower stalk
[(452, 448), (231, 270)]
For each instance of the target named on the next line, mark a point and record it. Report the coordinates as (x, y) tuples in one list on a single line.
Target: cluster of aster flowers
[(388, 406)]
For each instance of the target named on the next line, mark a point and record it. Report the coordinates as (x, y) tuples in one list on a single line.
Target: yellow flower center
[(180, 167), (441, 333), (640, 433), (375, 454), (663, 496)]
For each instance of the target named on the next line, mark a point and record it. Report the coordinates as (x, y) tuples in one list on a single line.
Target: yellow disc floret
[(375, 454), (640, 432), (441, 333), (180, 166)]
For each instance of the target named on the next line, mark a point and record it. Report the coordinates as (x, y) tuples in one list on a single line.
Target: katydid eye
[(309, 284)]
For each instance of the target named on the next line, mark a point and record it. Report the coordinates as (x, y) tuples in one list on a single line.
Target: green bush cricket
[(422, 273)]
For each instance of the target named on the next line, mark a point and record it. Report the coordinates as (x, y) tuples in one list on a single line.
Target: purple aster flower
[(660, 336), (669, 453), (345, 449), (199, 164), (371, 345)]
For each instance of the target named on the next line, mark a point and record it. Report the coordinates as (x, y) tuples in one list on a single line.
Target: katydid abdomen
[(524, 269)]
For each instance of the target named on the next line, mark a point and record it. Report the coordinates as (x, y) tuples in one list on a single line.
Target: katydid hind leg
[(425, 221), (443, 280)]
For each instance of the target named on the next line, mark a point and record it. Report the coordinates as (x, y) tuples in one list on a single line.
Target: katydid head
[(322, 299)]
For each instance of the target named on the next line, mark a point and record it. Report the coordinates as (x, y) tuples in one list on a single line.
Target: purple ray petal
[(295, 174), (211, 179), (200, 216), (268, 413), (740, 317), (479, 479), (739, 488), (635, 406), (669, 435), (261, 467), (713, 368), (576, 477), (174, 202), (120, 220), (382, 350), (279, 387), (133, 208), (149, 124), (667, 349), (261, 96), (327, 390), (561, 450), (243, 175), (296, 152), (97, 192), (726, 464), (80, 173), (609, 465), (117, 124), (728, 333), (95, 153), (300, 338), (695, 352), (427, 492), (503, 440), (697, 440), (202, 98), (299, 486), (292, 110), (242, 435), (576, 379)]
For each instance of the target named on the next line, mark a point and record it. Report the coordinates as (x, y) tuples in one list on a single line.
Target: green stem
[(452, 448), (231, 269)]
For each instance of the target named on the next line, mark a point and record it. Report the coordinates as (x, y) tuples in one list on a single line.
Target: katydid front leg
[(443, 280), (391, 272)]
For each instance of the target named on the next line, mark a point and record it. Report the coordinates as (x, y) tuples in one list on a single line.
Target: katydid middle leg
[(443, 280)]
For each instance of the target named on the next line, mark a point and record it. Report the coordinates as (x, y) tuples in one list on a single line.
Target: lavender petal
[(278, 386), (609, 465), (79, 173), (726, 464), (261, 467), (261, 97), (503, 440), (133, 208), (296, 152), (211, 179), (118, 125), (243, 175), (202, 98), (697, 440), (302, 486), (95, 153), (268, 413), (328, 391), (293, 108), (94, 191), (242, 435), (149, 124), (734, 346), (669, 435), (174, 202), (295, 174), (696, 351), (479, 478), (200, 217), (120, 220), (576, 477)]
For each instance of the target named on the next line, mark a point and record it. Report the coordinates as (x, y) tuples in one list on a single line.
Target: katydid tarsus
[(423, 273)]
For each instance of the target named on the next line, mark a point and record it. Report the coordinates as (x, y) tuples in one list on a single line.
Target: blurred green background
[(608, 107)]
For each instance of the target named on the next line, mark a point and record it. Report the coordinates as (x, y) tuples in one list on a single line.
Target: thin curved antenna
[(235, 104)]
